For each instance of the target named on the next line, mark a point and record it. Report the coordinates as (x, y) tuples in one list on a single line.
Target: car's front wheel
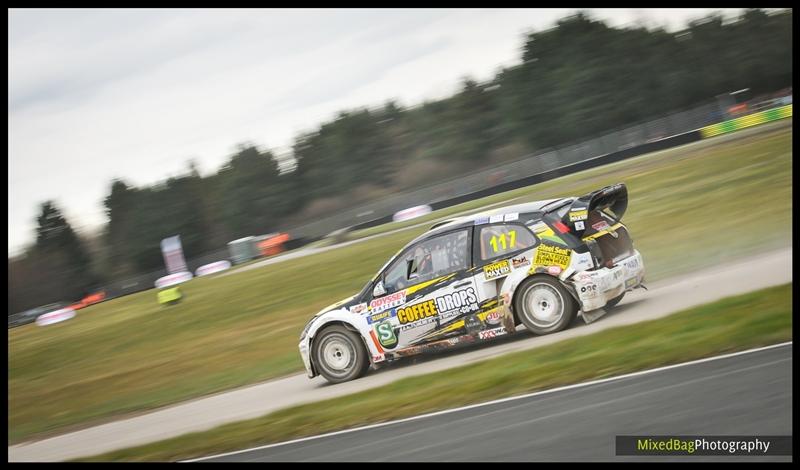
[(544, 305), (339, 354)]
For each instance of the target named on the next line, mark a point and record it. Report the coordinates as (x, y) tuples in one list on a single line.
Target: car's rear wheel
[(613, 302), (339, 354), (544, 305)]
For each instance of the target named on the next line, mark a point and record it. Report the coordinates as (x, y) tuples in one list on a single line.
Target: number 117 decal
[(511, 243)]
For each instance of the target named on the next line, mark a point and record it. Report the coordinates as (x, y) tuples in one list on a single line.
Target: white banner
[(173, 279), (411, 213), (55, 317), (212, 268), (173, 254)]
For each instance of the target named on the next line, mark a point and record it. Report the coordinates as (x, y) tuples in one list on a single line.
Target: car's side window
[(502, 239), (429, 259)]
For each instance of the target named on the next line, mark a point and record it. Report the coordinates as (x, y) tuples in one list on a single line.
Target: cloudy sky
[(100, 94)]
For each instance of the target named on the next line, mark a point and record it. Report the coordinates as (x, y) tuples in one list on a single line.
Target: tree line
[(575, 80)]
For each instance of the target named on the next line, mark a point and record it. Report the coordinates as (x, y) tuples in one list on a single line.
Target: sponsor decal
[(582, 261), (602, 225), (632, 263), (418, 323), (472, 323), (589, 288), (520, 262), (610, 231), (417, 312), (581, 214), (554, 270), (55, 316), (388, 301), (495, 218), (481, 220), (379, 358), (493, 333), (457, 303), (358, 308), (496, 270), (548, 255), (447, 316), (376, 317), (589, 291), (539, 227), (511, 217), (386, 335), (579, 225), (494, 317), (630, 283)]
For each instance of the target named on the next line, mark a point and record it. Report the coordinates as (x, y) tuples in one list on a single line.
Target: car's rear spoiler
[(612, 200)]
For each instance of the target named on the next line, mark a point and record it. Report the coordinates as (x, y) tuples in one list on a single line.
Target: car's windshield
[(368, 286)]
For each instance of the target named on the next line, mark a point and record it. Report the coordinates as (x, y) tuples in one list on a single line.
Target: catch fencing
[(540, 162)]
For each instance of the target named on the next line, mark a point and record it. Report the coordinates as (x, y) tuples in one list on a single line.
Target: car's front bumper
[(596, 288), (304, 353)]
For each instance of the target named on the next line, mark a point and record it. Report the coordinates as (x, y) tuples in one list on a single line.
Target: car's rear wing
[(611, 200)]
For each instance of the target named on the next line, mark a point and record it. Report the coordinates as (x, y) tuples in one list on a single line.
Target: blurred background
[(583, 87)]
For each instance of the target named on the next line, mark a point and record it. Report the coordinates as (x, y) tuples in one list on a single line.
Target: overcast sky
[(99, 94)]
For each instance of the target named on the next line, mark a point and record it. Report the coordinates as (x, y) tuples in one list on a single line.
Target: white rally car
[(478, 277)]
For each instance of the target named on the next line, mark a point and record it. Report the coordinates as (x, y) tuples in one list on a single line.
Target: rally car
[(479, 277)]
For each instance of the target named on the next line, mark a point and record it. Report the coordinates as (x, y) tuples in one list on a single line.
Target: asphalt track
[(745, 394), (662, 299)]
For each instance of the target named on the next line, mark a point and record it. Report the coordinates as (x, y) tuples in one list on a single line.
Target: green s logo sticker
[(386, 335)]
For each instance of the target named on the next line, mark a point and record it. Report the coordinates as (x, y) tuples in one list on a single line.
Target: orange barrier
[(273, 245), (89, 300), (738, 109)]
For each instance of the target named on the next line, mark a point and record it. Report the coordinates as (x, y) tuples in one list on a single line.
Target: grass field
[(689, 207), (735, 323)]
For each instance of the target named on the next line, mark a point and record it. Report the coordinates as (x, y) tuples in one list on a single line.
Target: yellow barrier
[(747, 121)]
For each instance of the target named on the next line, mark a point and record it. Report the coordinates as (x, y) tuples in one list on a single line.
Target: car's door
[(500, 249), (427, 287)]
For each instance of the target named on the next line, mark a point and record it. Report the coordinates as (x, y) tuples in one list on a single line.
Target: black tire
[(339, 354), (554, 309), (613, 302)]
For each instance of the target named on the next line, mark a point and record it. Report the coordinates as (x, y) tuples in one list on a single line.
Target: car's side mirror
[(379, 289)]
